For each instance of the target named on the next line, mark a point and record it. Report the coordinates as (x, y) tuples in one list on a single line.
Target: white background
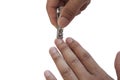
[(26, 35)]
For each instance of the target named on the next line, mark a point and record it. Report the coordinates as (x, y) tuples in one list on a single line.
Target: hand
[(75, 63), (70, 8)]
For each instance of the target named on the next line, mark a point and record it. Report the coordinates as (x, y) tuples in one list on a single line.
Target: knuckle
[(88, 1), (84, 6), (69, 13), (66, 72), (85, 56), (74, 61), (56, 57)]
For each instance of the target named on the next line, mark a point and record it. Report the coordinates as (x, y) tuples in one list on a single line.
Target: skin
[(69, 9), (75, 63)]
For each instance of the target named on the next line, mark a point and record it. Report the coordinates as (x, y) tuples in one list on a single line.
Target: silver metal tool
[(59, 33), (59, 29)]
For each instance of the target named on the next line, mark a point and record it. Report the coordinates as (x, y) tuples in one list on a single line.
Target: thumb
[(69, 11), (117, 65)]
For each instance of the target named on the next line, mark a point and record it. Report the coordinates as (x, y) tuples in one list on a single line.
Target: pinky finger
[(49, 76)]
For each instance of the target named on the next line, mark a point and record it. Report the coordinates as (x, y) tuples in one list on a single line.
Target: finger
[(49, 76), (64, 69), (69, 11), (71, 59), (81, 9), (117, 65), (84, 56), (51, 7), (84, 6)]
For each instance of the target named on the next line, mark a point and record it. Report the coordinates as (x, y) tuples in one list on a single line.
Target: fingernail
[(53, 50), (47, 73), (58, 41), (69, 40), (62, 21)]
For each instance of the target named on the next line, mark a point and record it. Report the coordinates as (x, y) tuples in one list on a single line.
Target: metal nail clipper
[(59, 29)]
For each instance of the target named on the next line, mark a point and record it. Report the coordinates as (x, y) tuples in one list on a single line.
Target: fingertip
[(49, 76), (69, 40), (52, 50), (58, 41), (47, 73)]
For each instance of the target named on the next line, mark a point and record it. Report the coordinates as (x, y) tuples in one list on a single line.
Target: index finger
[(51, 7)]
